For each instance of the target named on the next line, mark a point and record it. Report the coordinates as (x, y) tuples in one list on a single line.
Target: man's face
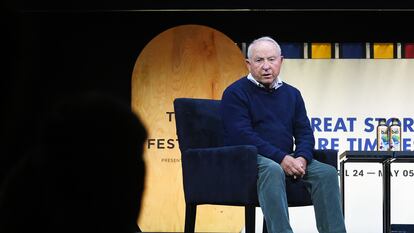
[(265, 62)]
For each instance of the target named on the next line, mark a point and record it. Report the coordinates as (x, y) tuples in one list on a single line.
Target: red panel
[(409, 50)]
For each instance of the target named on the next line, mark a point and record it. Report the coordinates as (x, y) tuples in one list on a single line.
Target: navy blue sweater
[(272, 120)]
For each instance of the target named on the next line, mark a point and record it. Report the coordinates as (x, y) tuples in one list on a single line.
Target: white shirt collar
[(275, 85)]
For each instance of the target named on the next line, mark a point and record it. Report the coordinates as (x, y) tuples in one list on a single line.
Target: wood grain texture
[(184, 61)]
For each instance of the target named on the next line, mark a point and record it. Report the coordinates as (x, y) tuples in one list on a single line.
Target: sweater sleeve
[(302, 131), (237, 124)]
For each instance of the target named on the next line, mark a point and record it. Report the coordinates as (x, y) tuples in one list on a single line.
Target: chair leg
[(250, 218), (190, 217)]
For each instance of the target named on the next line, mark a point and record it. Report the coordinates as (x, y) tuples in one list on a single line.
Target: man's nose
[(266, 65)]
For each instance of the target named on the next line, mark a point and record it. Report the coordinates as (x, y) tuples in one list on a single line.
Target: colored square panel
[(408, 50), (292, 50), (352, 50), (383, 50), (321, 50)]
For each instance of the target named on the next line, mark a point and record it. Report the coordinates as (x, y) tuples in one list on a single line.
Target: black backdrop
[(56, 50)]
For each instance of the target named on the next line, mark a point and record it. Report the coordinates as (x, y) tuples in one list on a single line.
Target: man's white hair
[(264, 38)]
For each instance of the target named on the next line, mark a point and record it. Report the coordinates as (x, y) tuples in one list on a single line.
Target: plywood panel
[(184, 61)]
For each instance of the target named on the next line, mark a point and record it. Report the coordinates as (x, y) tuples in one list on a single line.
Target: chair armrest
[(220, 175), (327, 156)]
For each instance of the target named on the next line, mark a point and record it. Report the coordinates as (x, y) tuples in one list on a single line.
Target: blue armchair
[(223, 175)]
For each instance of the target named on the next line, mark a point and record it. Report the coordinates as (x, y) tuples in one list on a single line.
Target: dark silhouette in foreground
[(85, 175)]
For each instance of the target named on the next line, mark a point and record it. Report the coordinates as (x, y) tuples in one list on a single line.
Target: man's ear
[(248, 63)]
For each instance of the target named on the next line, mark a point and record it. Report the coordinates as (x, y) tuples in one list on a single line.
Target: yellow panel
[(185, 61), (383, 50), (321, 50)]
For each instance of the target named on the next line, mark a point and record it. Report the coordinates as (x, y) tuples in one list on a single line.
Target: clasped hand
[(295, 167)]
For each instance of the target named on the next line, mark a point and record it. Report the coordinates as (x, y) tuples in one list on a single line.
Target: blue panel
[(352, 50), (292, 50)]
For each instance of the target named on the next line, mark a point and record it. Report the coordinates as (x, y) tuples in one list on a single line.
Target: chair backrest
[(200, 121)]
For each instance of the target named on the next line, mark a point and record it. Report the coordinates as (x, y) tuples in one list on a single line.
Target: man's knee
[(274, 169), (329, 172)]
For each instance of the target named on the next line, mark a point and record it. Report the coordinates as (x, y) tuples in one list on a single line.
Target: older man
[(264, 111)]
